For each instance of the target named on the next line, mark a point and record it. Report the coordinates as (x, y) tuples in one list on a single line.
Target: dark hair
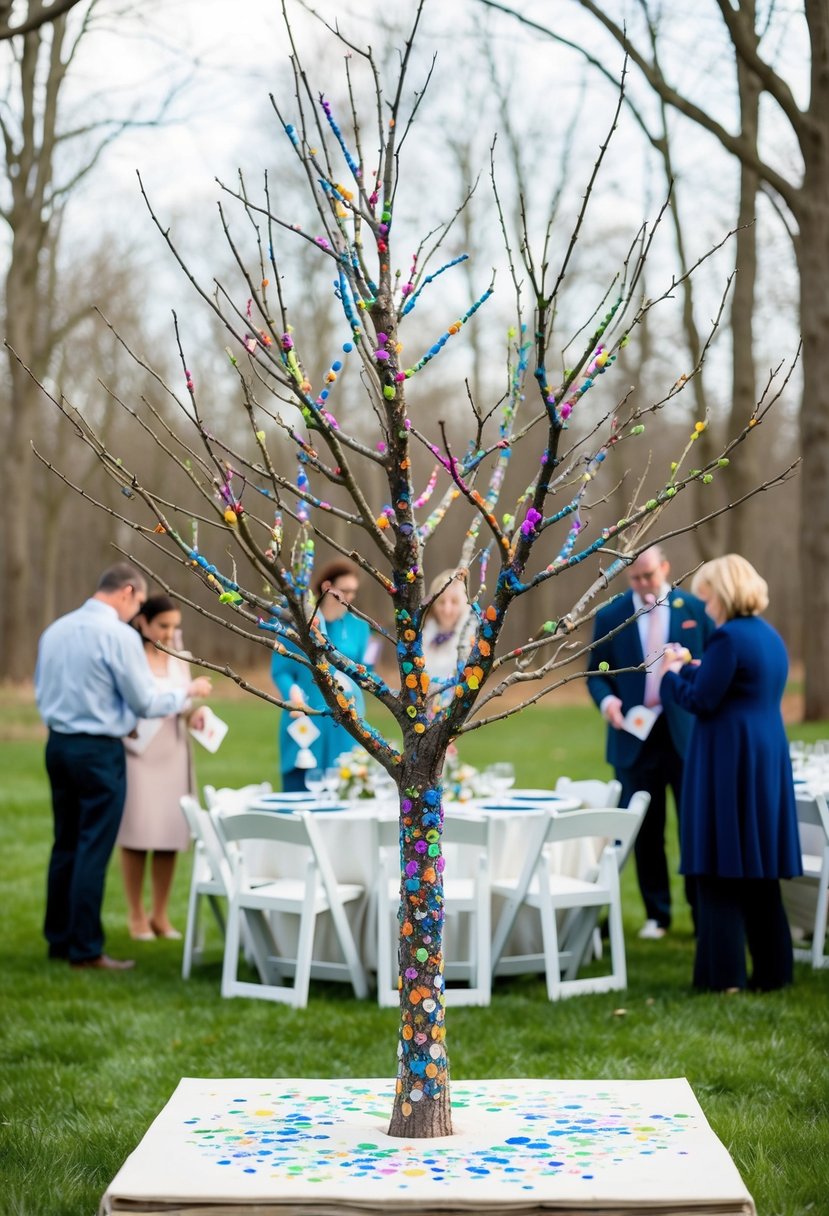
[(153, 607), (330, 572), (122, 574)]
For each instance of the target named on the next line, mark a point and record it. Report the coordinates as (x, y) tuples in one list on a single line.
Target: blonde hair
[(442, 582), (736, 584)]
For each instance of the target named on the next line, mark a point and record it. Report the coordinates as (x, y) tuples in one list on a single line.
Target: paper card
[(145, 731), (372, 653), (212, 732), (639, 721), (303, 731)]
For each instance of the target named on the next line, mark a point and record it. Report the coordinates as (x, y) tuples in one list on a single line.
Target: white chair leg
[(230, 965), (387, 996), (819, 934), (549, 933), (616, 935), (305, 947), (191, 931), (483, 964)]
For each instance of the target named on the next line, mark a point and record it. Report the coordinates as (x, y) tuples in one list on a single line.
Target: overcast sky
[(231, 56)]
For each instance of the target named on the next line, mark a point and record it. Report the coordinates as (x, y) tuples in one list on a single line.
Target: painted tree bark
[(422, 1100)]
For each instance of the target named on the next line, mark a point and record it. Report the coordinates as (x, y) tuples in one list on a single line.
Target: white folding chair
[(234, 798), (547, 892), (580, 936), (591, 792), (813, 825), (314, 892), (468, 838), (210, 879)]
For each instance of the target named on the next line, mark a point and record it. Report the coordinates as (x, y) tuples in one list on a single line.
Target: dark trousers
[(733, 912), (88, 777), (293, 781), (658, 767)]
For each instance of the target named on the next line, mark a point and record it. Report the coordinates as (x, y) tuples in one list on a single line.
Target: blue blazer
[(689, 626), (739, 818)]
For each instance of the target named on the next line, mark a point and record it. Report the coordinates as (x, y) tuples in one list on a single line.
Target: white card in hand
[(303, 731), (639, 721), (212, 732)]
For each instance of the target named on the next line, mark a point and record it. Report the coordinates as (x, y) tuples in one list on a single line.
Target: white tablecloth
[(349, 841)]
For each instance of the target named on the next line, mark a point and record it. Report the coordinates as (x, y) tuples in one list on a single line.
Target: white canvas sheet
[(320, 1146)]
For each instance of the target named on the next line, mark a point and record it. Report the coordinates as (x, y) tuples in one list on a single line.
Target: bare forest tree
[(805, 201), (47, 156), (38, 14), (736, 532), (273, 518)]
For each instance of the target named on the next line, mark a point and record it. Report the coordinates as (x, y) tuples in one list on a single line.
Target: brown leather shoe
[(104, 963)]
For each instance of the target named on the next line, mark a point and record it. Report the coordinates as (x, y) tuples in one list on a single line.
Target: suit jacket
[(688, 626)]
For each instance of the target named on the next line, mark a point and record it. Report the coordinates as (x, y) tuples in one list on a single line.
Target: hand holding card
[(639, 721), (212, 730)]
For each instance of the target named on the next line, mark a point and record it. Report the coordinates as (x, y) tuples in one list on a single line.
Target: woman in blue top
[(335, 586), (739, 828)]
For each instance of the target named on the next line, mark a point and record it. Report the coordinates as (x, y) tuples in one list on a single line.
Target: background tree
[(272, 518), (49, 152), (38, 14), (804, 195)]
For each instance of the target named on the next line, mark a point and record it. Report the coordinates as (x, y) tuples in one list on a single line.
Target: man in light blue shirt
[(92, 684)]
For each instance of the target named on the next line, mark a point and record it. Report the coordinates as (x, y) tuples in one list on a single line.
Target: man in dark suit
[(654, 763)]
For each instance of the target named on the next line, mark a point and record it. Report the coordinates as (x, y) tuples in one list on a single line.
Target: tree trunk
[(744, 473), (812, 251), (813, 263), (421, 1104), (21, 328)]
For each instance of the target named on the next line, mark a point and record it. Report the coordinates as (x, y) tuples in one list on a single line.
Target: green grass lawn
[(88, 1059)]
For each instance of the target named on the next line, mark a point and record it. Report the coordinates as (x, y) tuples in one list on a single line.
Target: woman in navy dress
[(739, 828)]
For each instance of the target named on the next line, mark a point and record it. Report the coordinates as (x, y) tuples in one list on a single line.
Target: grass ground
[(88, 1059)]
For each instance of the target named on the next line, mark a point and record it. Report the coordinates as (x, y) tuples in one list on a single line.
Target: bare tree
[(740, 535), (38, 14), (46, 158), (807, 202), (272, 518)]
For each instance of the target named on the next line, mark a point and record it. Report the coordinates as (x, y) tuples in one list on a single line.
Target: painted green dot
[(421, 955)]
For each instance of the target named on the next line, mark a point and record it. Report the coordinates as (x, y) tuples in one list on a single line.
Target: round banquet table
[(348, 836)]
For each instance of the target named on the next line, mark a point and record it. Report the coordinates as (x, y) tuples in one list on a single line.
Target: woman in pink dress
[(159, 772)]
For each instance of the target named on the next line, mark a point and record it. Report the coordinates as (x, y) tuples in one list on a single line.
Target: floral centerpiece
[(461, 782), (359, 775)]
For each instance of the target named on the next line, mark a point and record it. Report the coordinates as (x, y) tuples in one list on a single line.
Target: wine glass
[(502, 776), (332, 781), (314, 781)]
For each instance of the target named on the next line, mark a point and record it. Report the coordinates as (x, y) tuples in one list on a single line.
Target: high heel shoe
[(170, 935), (148, 935)]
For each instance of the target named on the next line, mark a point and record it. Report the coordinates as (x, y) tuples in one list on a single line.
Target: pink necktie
[(653, 647)]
